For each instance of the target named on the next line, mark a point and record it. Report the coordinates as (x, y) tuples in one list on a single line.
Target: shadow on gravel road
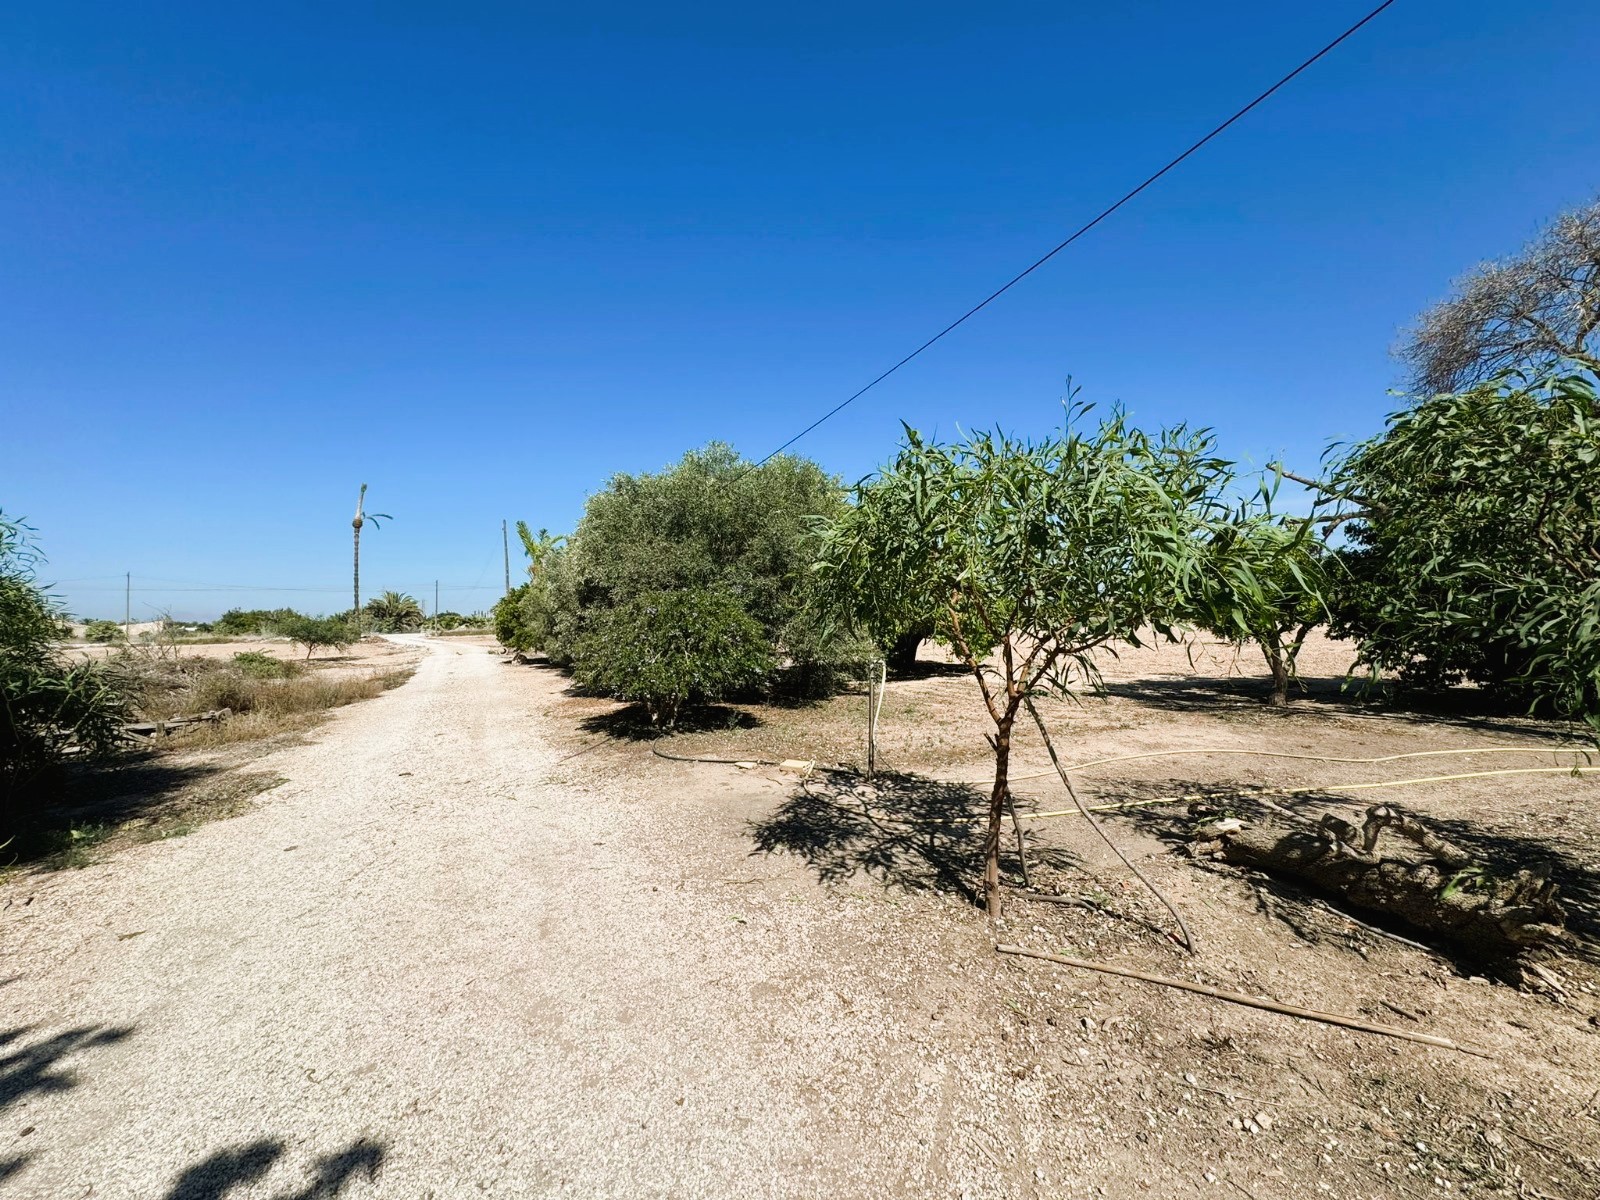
[(26, 1070), (216, 1176), (908, 832)]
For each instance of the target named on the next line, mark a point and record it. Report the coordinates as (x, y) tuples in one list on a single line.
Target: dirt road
[(438, 962)]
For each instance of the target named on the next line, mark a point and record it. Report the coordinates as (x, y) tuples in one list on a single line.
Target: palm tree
[(362, 518), (394, 612), (538, 549)]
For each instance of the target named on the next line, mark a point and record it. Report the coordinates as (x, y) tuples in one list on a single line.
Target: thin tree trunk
[(997, 812), (1280, 674)]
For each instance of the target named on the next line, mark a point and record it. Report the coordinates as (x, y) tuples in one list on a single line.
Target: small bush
[(103, 632), (48, 704), (668, 649), (241, 622), (257, 665)]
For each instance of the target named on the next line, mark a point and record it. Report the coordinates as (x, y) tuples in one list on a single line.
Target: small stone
[(1264, 1120)]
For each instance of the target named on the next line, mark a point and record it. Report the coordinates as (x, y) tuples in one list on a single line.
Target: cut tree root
[(1491, 919), (1290, 1010), (1188, 938)]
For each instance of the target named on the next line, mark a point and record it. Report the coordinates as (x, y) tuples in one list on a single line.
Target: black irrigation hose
[(731, 762)]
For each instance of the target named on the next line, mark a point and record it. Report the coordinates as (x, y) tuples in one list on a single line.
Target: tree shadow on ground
[(905, 831), (39, 1068), (237, 1166), (107, 793), (632, 724), (923, 669), (1459, 707)]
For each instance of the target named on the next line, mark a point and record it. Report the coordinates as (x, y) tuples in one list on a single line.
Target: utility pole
[(436, 604), (505, 551), (127, 608)]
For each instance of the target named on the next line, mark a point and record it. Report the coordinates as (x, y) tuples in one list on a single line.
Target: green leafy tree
[(103, 632), (665, 650), (319, 633), (47, 703), (1265, 580), (542, 615), (1474, 542), (714, 522), (1035, 555)]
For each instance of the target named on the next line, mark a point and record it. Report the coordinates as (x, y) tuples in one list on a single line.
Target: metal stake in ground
[(1188, 938)]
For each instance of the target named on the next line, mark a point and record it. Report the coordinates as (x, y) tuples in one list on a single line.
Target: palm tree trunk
[(357, 584)]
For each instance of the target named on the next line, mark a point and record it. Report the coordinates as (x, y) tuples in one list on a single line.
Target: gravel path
[(437, 963)]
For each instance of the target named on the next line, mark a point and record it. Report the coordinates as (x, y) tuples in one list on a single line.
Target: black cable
[(1077, 233)]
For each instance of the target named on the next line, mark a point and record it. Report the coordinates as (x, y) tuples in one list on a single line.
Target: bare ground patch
[(1122, 1088)]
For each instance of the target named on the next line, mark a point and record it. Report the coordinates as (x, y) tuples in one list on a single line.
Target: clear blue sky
[(482, 256)]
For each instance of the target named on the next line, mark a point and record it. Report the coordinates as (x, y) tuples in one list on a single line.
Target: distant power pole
[(436, 603), (127, 608), (505, 551)]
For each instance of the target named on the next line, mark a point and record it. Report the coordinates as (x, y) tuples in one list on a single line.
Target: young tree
[(318, 633), (668, 649), (1264, 580), (1528, 311), (1034, 555)]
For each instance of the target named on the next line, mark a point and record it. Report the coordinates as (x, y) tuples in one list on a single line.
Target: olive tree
[(1527, 311), (1033, 555)]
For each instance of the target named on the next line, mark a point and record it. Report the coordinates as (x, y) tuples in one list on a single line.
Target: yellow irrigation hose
[(1382, 758), (1295, 791)]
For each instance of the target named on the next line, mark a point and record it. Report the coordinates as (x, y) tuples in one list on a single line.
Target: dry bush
[(271, 707), (164, 688)]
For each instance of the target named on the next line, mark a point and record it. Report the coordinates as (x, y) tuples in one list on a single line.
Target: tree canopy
[(1525, 312), (1032, 555), (1475, 549)]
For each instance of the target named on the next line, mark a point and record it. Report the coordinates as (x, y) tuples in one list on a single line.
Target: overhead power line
[(1080, 231)]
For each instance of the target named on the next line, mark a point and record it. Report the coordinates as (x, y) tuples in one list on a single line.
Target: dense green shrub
[(710, 523), (103, 632), (46, 702), (263, 666), (1476, 551), (668, 649), (242, 622)]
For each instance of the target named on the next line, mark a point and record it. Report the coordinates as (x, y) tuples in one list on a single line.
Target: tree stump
[(1433, 886)]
